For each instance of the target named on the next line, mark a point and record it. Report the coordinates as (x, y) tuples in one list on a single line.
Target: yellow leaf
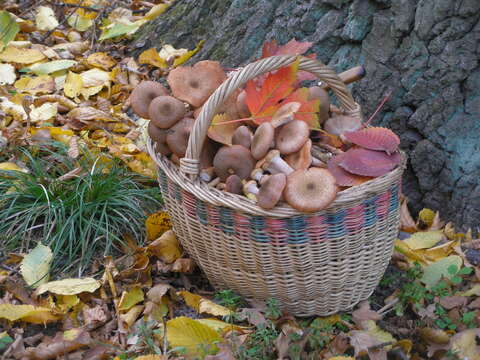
[(66, 302), (69, 286), (156, 224), (45, 19), (11, 167), (194, 336), (222, 326), (79, 22), (435, 271), (95, 77), (131, 316), (464, 344), (441, 251), (7, 74), (424, 240), (51, 66), (475, 290), (39, 85), (166, 247), (181, 59), (156, 11), (87, 92), (426, 216), (21, 56), (130, 298), (411, 255), (8, 28), (143, 164), (202, 305), (152, 57), (73, 85), (56, 133), (44, 112), (28, 313), (35, 266), (101, 60)]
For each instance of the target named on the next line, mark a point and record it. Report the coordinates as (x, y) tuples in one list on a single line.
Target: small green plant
[(229, 299), (468, 319), (80, 208), (273, 309), (260, 343), (457, 273), (443, 321)]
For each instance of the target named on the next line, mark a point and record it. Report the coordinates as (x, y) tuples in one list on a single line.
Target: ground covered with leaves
[(90, 267)]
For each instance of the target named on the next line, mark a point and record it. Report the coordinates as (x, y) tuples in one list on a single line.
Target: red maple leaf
[(308, 111)]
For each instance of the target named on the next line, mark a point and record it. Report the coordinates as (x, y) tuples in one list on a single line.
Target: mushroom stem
[(274, 164), (257, 174), (214, 182), (207, 174), (250, 189), (221, 186)]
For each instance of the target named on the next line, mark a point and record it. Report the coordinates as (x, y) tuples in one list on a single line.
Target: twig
[(8, 268), (387, 307), (385, 99), (380, 346)]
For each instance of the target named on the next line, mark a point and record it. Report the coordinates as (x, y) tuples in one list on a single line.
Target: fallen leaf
[(9, 166), (73, 85), (434, 272), (464, 344), (7, 73), (192, 335), (202, 305), (95, 77), (21, 55), (44, 112), (366, 162), (69, 286), (152, 57), (35, 266), (406, 221), (101, 60), (222, 326), (157, 10), (51, 66), (45, 19), (156, 224), (374, 138), (166, 247), (28, 313), (424, 240), (364, 313), (79, 22), (450, 302), (129, 318), (43, 84), (184, 57), (474, 290), (220, 132), (117, 29), (8, 29), (130, 298)]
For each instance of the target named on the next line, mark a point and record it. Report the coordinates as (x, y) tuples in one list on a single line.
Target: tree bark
[(426, 51)]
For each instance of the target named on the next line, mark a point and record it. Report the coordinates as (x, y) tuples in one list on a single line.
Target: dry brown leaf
[(166, 247), (406, 221), (364, 313)]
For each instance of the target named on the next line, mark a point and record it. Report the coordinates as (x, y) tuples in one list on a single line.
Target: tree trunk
[(426, 51)]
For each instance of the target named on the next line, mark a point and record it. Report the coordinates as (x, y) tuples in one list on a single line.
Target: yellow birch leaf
[(45, 19), (69, 286), (156, 11), (151, 357), (28, 313), (166, 247), (39, 85), (87, 92), (411, 255), (73, 85), (66, 302), (130, 298), (156, 224), (101, 60), (182, 58), (441, 251), (44, 112), (194, 336), (202, 305), (35, 266), (56, 133), (152, 57), (424, 240), (21, 55)]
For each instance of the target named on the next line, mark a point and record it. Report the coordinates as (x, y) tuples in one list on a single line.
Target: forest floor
[(66, 77)]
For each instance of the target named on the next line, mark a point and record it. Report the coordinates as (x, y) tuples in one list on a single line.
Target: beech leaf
[(28, 313), (369, 162), (202, 305), (69, 286), (35, 266), (343, 177), (424, 240), (8, 29), (374, 138)]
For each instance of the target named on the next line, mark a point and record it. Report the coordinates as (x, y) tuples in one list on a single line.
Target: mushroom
[(250, 189), (316, 92), (234, 184), (214, 182), (302, 159), (175, 159), (337, 125), (194, 84), (242, 136), (178, 134), (159, 136), (292, 137), (257, 174), (242, 108), (165, 111), (310, 190), (271, 191), (274, 164), (143, 94), (234, 159), (262, 140), (207, 174)]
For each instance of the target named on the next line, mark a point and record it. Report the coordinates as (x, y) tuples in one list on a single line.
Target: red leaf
[(366, 162), (374, 138), (308, 111), (343, 177), (265, 102), (293, 47)]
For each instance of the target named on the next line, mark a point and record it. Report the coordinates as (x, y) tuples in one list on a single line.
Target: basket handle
[(190, 164)]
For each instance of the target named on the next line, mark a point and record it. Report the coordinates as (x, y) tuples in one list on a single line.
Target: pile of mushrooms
[(281, 160)]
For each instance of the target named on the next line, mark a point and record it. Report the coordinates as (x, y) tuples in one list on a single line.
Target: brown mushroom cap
[(310, 190), (302, 159), (316, 92), (292, 137), (337, 125), (159, 136), (242, 136), (242, 108), (234, 184), (233, 159), (165, 111), (262, 140), (194, 84), (271, 191), (177, 138), (143, 94)]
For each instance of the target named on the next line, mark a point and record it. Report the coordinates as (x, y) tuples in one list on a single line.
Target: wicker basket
[(314, 264)]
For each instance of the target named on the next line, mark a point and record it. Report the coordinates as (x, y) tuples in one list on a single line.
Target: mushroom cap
[(241, 105), (208, 153), (194, 84), (234, 184), (143, 94), (271, 191), (292, 137), (159, 136), (337, 125), (310, 190), (234, 159), (262, 140), (165, 111), (178, 134), (316, 92), (242, 136), (302, 159)]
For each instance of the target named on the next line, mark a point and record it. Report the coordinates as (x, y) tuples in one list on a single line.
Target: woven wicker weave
[(314, 264)]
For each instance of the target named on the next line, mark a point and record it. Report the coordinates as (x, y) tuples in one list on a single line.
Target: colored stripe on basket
[(257, 232), (296, 227), (227, 223), (370, 211), (201, 212), (336, 224)]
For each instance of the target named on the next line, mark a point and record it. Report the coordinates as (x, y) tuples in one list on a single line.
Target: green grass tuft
[(80, 218)]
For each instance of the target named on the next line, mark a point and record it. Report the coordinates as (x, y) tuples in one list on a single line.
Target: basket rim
[(344, 199)]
